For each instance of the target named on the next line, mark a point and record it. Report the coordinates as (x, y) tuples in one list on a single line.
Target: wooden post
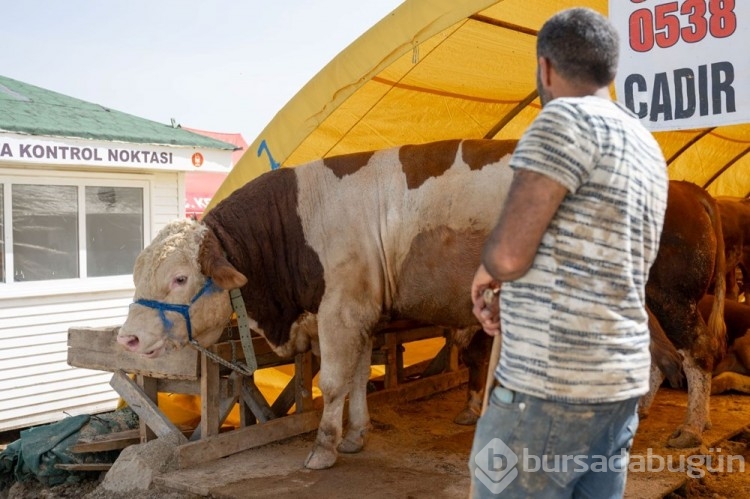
[(392, 358), (209, 397), (303, 376), (146, 408), (149, 387)]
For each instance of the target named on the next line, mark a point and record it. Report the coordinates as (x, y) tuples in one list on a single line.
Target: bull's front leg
[(340, 349), (689, 434), (359, 416)]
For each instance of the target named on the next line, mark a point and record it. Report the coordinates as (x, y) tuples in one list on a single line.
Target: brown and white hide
[(325, 252)]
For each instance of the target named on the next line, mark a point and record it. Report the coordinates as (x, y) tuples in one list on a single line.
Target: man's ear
[(214, 264), (545, 71)]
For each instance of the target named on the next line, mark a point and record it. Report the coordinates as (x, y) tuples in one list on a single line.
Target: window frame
[(83, 283)]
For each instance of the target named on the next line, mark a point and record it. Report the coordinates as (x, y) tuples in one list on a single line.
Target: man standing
[(570, 254)]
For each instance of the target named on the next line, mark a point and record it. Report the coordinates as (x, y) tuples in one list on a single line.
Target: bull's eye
[(180, 280)]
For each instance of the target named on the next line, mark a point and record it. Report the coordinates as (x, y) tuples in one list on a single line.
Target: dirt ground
[(414, 450)]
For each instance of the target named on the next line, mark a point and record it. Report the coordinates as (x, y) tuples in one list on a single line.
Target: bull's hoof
[(320, 458), (351, 445), (467, 417), (684, 438)]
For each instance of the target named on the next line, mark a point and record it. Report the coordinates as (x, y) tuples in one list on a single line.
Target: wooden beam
[(113, 441), (146, 409), (225, 444), (421, 388), (84, 466), (97, 348), (256, 401)]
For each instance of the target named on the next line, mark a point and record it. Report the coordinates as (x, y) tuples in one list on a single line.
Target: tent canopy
[(441, 69)]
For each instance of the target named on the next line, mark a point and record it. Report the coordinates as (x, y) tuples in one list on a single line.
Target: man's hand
[(486, 311)]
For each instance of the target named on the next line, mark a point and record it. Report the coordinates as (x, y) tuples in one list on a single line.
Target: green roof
[(33, 110)]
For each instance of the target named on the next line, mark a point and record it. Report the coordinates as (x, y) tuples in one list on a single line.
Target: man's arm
[(532, 202)]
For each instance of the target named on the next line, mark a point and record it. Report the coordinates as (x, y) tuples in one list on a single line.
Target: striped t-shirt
[(574, 326)]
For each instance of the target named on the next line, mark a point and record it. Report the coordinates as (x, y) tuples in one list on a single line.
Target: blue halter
[(184, 310)]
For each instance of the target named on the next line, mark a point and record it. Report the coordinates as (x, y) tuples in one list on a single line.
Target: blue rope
[(184, 310)]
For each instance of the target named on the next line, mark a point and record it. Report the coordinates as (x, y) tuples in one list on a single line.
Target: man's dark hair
[(582, 46)]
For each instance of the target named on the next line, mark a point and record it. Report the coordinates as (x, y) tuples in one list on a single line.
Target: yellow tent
[(440, 69)]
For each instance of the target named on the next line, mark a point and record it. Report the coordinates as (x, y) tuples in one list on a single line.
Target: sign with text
[(63, 151), (684, 64)]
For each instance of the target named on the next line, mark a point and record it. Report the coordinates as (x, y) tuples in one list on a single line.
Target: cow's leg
[(689, 434), (730, 381), (733, 289), (655, 381), (475, 356), (732, 372), (339, 355), (359, 416)]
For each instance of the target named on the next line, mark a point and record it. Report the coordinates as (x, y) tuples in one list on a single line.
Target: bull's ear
[(215, 265)]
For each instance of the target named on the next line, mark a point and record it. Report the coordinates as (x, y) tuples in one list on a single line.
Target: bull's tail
[(717, 328)]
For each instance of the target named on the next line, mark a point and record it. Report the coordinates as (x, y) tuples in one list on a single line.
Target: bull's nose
[(129, 342)]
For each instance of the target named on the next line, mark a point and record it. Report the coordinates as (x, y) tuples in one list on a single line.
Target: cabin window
[(56, 229), (114, 229)]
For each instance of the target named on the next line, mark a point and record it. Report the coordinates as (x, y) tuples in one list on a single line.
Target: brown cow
[(323, 253), (691, 252), (735, 222)]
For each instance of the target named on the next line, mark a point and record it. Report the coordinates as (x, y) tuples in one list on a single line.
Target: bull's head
[(182, 282)]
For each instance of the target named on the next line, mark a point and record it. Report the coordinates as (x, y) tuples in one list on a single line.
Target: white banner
[(684, 64), (59, 151)]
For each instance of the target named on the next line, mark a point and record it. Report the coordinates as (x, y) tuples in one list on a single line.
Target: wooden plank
[(110, 441), (417, 389), (146, 409), (84, 466), (113, 441), (97, 348), (225, 444), (265, 356), (256, 401)]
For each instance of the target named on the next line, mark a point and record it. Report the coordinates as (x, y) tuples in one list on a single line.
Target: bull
[(691, 253), (323, 254)]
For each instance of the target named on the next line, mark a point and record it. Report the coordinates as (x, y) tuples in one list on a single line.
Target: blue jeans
[(526, 447)]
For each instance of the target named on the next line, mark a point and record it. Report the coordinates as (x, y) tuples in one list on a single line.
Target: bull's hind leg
[(359, 416), (689, 434), (476, 357), (655, 381)]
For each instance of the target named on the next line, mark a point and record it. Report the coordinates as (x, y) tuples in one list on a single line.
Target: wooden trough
[(139, 380)]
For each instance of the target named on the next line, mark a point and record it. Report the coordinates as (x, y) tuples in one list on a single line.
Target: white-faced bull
[(323, 254)]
